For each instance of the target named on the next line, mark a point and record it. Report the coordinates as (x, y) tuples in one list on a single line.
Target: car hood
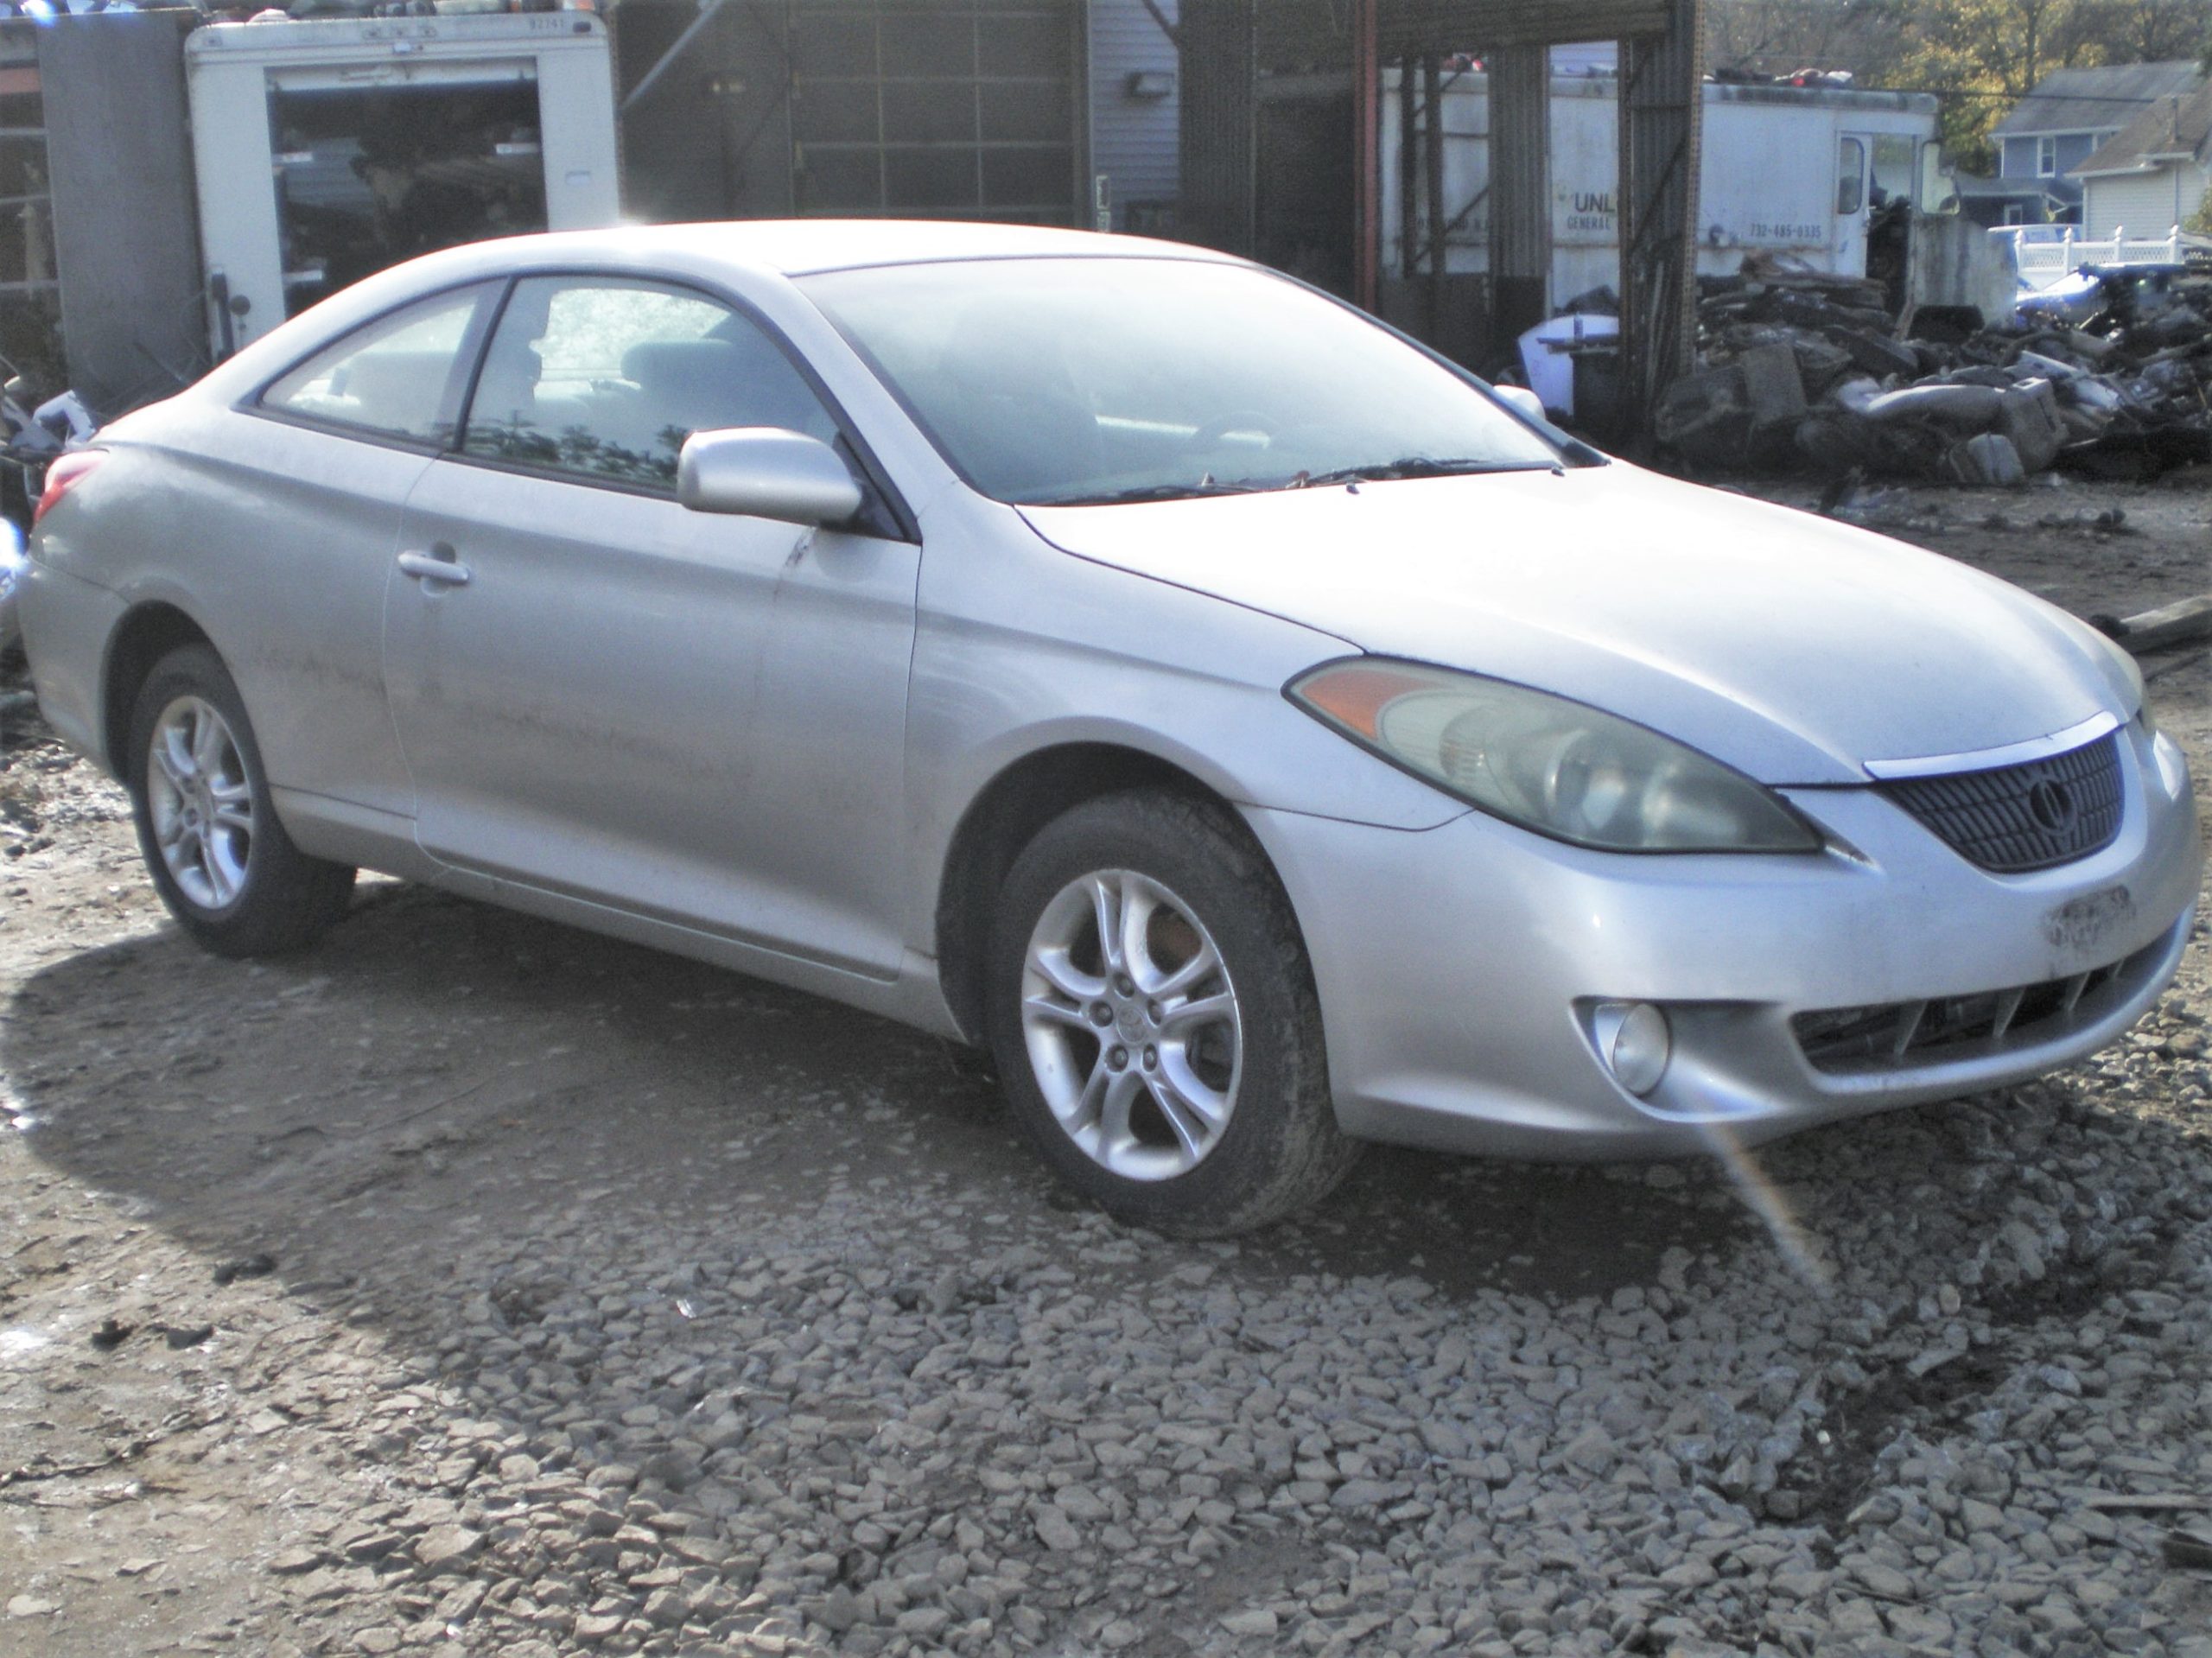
[(1790, 647)]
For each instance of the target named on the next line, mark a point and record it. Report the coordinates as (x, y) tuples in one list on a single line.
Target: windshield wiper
[(1151, 493), (1413, 465)]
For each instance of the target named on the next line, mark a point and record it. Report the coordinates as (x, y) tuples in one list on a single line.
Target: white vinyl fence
[(2047, 258)]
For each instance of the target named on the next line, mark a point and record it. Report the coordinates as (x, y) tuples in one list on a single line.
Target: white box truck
[(1786, 170), (314, 151), (324, 151)]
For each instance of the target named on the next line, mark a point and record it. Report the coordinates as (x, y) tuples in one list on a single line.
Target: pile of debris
[(2107, 375)]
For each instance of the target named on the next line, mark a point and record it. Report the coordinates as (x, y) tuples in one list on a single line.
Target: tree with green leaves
[(1988, 55), (1983, 55), (1779, 37)]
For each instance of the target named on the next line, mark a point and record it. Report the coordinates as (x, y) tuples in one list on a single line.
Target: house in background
[(2153, 173), (1992, 203), (2070, 115)]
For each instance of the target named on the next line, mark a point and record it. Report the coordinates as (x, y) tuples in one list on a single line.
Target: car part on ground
[(31, 440), (2107, 378)]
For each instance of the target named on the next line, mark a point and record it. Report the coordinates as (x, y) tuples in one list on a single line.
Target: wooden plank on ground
[(2183, 623), (2142, 1502)]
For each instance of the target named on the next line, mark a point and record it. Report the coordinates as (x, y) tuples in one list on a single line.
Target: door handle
[(438, 565)]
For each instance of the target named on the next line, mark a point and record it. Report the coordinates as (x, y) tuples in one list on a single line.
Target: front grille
[(1899, 1035), (2021, 817)]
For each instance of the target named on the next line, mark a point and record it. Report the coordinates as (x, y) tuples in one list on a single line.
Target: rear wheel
[(219, 857), (1154, 1019)]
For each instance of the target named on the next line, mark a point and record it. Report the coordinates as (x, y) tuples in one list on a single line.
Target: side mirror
[(765, 471), (1521, 400)]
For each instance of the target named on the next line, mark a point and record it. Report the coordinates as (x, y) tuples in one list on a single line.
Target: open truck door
[(1852, 154), (1874, 170)]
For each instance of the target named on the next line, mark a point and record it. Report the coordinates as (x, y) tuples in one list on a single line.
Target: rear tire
[(220, 858), (1154, 1019)]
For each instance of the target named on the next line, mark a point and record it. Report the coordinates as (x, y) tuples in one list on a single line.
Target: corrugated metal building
[(1281, 157), (30, 288), (97, 245), (977, 108)]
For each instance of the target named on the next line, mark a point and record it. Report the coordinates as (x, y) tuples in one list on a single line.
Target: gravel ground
[(472, 1285)]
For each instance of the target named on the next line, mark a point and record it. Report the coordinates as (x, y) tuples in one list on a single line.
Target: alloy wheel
[(1132, 1025), (201, 802)]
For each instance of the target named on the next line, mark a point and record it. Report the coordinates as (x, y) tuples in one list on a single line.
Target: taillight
[(67, 472)]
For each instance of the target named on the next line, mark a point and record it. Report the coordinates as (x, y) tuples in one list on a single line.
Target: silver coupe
[(1260, 734)]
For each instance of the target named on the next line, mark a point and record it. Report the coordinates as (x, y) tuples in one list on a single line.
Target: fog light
[(1634, 1042), (2173, 769)]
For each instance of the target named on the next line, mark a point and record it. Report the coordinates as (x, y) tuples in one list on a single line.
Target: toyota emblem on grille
[(2052, 804)]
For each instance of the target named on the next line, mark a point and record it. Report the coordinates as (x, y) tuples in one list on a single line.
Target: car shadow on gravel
[(435, 1064), (564, 1181)]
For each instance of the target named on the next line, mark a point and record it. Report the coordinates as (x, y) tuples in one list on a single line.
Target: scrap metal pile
[(2106, 375)]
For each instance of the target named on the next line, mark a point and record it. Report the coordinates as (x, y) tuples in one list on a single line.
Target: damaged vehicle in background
[(1260, 733)]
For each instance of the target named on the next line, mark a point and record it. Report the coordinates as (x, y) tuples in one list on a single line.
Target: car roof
[(797, 247), (776, 248)]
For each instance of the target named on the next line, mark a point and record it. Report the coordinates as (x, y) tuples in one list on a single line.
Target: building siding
[(1133, 141), (2074, 149), (2147, 205)]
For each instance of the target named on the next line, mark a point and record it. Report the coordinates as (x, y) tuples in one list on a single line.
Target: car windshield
[(1081, 381)]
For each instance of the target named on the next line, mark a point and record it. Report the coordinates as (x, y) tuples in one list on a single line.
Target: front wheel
[(1155, 1022), (219, 857)]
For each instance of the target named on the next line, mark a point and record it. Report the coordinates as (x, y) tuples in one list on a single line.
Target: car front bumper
[(1460, 969)]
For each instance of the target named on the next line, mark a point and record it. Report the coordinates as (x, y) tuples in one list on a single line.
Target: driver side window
[(603, 380)]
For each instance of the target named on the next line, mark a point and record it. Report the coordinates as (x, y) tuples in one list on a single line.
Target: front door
[(694, 717)]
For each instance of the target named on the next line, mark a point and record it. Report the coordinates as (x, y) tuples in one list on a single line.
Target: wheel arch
[(1003, 818), (147, 633)]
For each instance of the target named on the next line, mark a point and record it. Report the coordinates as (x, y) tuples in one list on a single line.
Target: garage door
[(943, 110)]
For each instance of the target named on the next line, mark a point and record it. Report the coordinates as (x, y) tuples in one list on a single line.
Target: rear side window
[(402, 376), (604, 380)]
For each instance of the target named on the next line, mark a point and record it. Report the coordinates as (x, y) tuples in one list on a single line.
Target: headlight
[(1560, 768)]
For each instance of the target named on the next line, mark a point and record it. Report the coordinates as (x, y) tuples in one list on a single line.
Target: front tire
[(1154, 1019), (220, 858)]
